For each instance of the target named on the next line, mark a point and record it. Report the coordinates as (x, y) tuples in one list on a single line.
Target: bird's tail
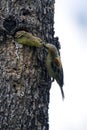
[(62, 92)]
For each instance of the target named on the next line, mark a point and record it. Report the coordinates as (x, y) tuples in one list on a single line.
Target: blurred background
[(71, 28)]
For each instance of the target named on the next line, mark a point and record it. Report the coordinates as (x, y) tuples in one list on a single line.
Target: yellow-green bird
[(54, 65), (26, 38)]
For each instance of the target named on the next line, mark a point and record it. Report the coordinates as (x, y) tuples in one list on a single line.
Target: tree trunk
[(24, 82)]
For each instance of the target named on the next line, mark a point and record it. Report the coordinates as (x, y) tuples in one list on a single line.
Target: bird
[(54, 65), (27, 38)]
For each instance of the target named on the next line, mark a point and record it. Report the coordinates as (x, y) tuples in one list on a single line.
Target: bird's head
[(20, 34), (51, 49)]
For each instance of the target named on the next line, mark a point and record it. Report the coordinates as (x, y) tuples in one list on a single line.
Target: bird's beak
[(45, 45)]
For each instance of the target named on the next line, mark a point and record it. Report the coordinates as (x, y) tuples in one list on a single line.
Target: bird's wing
[(58, 72), (57, 61), (58, 75), (55, 66)]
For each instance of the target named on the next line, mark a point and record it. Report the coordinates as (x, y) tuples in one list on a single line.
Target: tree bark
[(24, 81)]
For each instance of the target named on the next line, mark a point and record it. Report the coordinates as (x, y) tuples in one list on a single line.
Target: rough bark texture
[(24, 82)]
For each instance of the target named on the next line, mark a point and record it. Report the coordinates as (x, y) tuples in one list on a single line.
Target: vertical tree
[(24, 82)]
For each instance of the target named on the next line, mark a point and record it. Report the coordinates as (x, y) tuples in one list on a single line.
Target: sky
[(71, 28)]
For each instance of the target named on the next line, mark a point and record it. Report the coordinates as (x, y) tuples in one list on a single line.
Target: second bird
[(54, 65)]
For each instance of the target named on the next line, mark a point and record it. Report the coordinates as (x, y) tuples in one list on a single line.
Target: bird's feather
[(58, 75)]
